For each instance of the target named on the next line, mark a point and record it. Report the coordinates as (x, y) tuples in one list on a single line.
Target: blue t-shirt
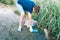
[(27, 5)]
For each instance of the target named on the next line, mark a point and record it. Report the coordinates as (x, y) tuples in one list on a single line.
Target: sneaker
[(19, 30), (33, 30), (30, 29)]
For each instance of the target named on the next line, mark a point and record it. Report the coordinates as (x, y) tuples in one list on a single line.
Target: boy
[(29, 7)]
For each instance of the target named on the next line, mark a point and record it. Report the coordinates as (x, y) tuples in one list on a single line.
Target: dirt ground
[(9, 23)]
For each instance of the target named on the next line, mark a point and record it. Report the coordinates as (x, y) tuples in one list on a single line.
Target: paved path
[(9, 24)]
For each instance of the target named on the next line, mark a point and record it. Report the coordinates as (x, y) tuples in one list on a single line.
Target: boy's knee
[(22, 16), (29, 17)]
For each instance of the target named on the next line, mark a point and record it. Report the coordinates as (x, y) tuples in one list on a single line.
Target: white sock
[(31, 29)]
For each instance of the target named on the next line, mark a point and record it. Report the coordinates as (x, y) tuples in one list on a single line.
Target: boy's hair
[(37, 8)]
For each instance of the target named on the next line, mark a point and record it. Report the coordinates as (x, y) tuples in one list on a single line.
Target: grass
[(17, 12), (49, 16), (8, 2)]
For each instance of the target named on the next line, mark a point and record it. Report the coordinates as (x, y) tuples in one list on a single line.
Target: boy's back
[(27, 4)]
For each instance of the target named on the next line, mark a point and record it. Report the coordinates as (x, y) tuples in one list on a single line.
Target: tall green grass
[(8, 2), (49, 17)]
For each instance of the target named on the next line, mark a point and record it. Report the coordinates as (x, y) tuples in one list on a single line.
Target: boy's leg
[(21, 10), (21, 19), (29, 18), (27, 22)]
